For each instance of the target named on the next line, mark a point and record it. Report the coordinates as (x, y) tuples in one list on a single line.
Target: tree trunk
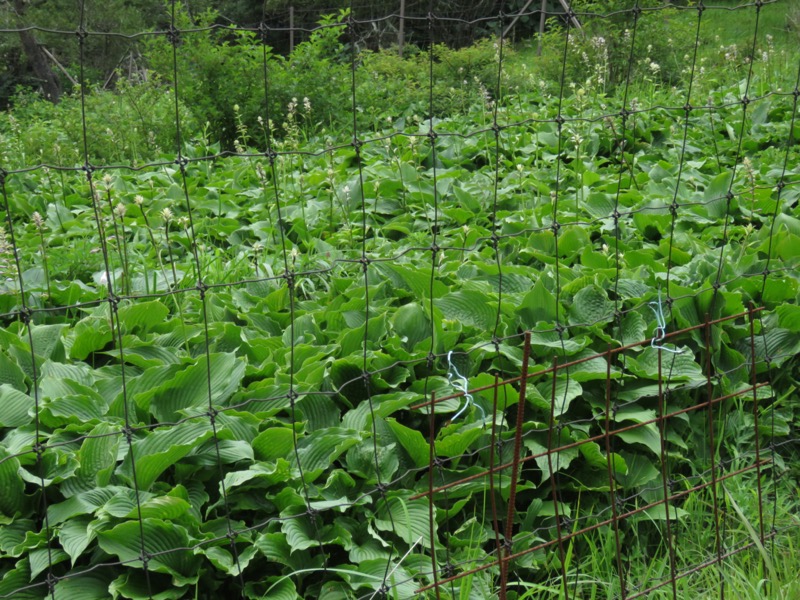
[(51, 86)]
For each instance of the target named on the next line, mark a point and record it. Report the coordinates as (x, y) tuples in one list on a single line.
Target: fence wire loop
[(661, 326), (461, 383)]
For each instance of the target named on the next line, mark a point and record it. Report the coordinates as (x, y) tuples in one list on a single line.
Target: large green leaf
[(406, 518), (90, 335), (189, 387), (591, 306), (75, 536), (318, 450), (674, 367), (159, 450), (14, 406), (11, 374), (272, 443), (412, 324), (455, 444), (12, 498), (15, 583), (470, 308), (223, 559), (165, 543), (89, 586), (81, 504), (142, 315), (412, 441), (98, 455), (538, 305), (715, 193)]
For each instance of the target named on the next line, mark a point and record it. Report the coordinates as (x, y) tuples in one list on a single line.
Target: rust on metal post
[(662, 425), (712, 452), (553, 487), (512, 496), (431, 465), (611, 485), (756, 431), (492, 499)]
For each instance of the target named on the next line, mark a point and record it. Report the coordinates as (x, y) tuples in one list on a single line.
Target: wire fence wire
[(549, 485)]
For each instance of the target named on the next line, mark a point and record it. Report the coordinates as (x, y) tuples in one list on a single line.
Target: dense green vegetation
[(273, 398)]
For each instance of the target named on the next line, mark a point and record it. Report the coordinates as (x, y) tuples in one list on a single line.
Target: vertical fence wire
[(112, 299), (202, 289)]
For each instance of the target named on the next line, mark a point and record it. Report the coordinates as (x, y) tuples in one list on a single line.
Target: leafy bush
[(134, 123)]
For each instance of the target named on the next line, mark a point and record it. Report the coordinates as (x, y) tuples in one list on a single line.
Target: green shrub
[(135, 123)]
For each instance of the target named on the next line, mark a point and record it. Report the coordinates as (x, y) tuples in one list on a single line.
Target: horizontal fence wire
[(710, 371)]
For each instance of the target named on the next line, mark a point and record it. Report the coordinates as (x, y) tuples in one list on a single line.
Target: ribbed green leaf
[(559, 460), (165, 542), (222, 558), (406, 518), (47, 340), (13, 534), (373, 572), (275, 547), (299, 529), (189, 388), (659, 513), (411, 324), (591, 306), (138, 585), (538, 305), (98, 455), (267, 474), (777, 343), (43, 558), (318, 450), (167, 508), (674, 367), (75, 536), (71, 409), (81, 504), (455, 444), (144, 356), (89, 586), (142, 315), (412, 441), (282, 589), (16, 581), (595, 458), (633, 328), (10, 373), (162, 448), (90, 335), (14, 407), (230, 451), (566, 390), (56, 465), (272, 443), (715, 192), (646, 435), (470, 308), (12, 498), (640, 471)]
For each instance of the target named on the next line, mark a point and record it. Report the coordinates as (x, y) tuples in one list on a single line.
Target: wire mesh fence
[(390, 363)]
